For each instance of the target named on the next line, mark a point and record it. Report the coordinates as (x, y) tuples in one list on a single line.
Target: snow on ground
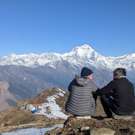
[(51, 109), (29, 131), (32, 131)]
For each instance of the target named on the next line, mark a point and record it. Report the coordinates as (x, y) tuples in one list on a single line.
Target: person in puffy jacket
[(80, 101), (117, 96)]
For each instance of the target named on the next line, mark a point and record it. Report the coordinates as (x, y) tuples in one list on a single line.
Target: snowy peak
[(30, 59), (83, 51), (82, 55)]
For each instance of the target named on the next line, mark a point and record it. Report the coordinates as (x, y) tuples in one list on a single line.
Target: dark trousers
[(109, 105)]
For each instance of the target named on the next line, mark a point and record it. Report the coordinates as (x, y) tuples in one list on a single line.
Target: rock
[(102, 131), (85, 128), (48, 110), (132, 130), (2, 125), (56, 131), (83, 117), (94, 126), (123, 117)]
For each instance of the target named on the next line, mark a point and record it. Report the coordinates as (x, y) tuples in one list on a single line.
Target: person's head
[(119, 73), (87, 73)]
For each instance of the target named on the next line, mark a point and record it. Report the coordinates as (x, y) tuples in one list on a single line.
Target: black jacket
[(122, 91)]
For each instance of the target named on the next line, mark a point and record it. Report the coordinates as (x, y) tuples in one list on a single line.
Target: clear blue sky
[(59, 25)]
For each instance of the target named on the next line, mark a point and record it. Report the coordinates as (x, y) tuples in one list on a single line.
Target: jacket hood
[(81, 81)]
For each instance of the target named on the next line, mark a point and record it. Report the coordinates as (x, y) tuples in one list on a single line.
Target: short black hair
[(118, 72)]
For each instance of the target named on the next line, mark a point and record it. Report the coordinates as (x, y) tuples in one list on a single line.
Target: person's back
[(80, 101), (118, 95), (124, 95)]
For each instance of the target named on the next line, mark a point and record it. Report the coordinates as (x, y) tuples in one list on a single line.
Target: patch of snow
[(51, 109), (60, 90), (32, 131), (61, 94), (52, 66)]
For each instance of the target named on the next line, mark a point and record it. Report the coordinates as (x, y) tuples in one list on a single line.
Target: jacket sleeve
[(71, 84), (107, 89)]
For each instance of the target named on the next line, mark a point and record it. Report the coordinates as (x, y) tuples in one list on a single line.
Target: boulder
[(95, 126), (102, 131)]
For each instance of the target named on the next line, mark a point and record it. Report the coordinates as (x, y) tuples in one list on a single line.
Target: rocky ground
[(94, 126), (54, 100)]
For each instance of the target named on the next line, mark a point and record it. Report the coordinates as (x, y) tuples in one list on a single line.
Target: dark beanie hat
[(86, 72)]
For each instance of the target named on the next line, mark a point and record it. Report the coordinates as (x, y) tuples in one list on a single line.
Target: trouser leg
[(106, 105)]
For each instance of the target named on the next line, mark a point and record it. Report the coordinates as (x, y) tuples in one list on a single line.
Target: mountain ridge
[(76, 56)]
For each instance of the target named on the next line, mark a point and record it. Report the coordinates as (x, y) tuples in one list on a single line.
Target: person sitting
[(117, 97), (80, 101)]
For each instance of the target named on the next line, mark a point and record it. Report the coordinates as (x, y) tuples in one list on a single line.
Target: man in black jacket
[(118, 96)]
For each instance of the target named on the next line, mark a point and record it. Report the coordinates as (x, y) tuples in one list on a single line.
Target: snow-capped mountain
[(84, 54), (28, 74)]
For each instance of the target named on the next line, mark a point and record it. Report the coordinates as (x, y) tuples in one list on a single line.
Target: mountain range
[(29, 74)]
